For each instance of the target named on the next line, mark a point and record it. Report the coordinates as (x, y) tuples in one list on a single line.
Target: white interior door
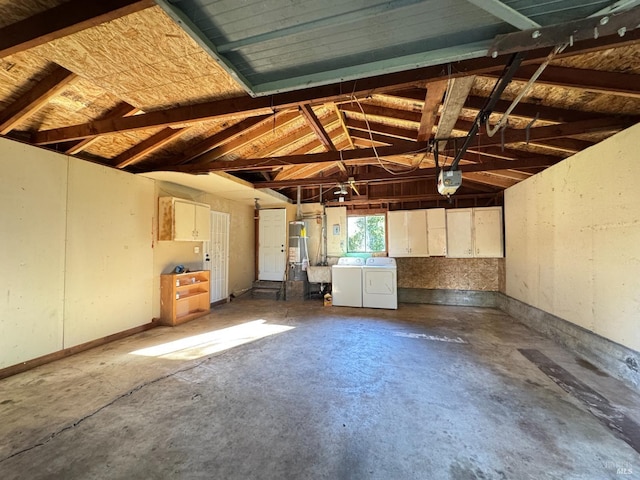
[(216, 256), (272, 239)]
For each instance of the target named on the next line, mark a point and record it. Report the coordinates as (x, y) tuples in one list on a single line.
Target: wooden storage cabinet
[(183, 220), (183, 297)]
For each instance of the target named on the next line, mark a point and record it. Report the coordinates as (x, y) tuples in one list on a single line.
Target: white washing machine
[(346, 282), (380, 283)]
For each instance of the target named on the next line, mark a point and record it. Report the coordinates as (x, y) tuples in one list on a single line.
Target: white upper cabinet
[(407, 233), (475, 232), (183, 220), (437, 232), (487, 224), (459, 233)]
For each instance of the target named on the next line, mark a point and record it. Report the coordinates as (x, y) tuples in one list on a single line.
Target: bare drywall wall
[(33, 192), (336, 231), (109, 260), (573, 239)]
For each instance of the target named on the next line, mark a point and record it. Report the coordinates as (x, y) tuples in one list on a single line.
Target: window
[(366, 234)]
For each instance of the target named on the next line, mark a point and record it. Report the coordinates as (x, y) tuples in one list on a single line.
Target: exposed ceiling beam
[(35, 98), (531, 110), (416, 94), (379, 138), (433, 100), (121, 110), (398, 132), (556, 131), (136, 153), (261, 162), (505, 13), (614, 83), (452, 107), (423, 173), (65, 19), (247, 136), (343, 91), (368, 110), (429, 197), (342, 119), (488, 179), (316, 126), (319, 130), (226, 135)]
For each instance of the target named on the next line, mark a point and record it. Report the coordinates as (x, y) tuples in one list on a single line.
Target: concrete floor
[(335, 393)]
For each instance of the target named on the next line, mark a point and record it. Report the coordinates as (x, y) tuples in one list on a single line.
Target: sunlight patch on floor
[(204, 344)]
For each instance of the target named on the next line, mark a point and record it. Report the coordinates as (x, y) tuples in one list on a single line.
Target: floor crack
[(103, 407)]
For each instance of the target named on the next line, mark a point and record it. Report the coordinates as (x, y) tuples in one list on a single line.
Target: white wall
[(573, 239), (33, 193), (109, 261), (76, 251)]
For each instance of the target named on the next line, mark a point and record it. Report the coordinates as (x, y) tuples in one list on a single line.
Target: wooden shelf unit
[(184, 296)]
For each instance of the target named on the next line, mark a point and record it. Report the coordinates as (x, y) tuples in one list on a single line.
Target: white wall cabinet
[(437, 232), (487, 226), (474, 232), (407, 233), (183, 220)]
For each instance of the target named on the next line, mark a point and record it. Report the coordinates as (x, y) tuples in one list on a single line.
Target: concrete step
[(267, 284), (266, 293)]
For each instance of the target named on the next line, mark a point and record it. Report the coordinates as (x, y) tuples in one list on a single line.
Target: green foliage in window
[(366, 234)]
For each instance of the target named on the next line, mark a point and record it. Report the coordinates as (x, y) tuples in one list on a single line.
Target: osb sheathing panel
[(79, 102), (621, 59), (19, 73), (450, 273), (12, 11), (110, 146), (144, 59), (560, 97)]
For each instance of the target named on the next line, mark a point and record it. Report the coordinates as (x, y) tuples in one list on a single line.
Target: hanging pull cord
[(491, 131)]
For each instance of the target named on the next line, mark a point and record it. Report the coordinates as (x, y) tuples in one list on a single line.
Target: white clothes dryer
[(380, 283)]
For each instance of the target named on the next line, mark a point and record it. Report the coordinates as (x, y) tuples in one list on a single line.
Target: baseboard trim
[(67, 352), (613, 358)]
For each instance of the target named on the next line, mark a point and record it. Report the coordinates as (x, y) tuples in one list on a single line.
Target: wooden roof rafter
[(65, 19), (35, 99), (249, 106)]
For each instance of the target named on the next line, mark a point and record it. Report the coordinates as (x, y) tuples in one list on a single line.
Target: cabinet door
[(459, 237), (437, 232), (417, 233), (487, 227), (397, 234), (202, 223), (183, 220)]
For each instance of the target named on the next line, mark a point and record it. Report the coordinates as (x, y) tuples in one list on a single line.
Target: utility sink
[(319, 274)]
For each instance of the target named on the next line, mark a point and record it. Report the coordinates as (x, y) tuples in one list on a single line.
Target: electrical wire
[(375, 150)]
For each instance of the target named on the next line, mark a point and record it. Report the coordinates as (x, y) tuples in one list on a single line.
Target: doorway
[(216, 256), (272, 238)]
